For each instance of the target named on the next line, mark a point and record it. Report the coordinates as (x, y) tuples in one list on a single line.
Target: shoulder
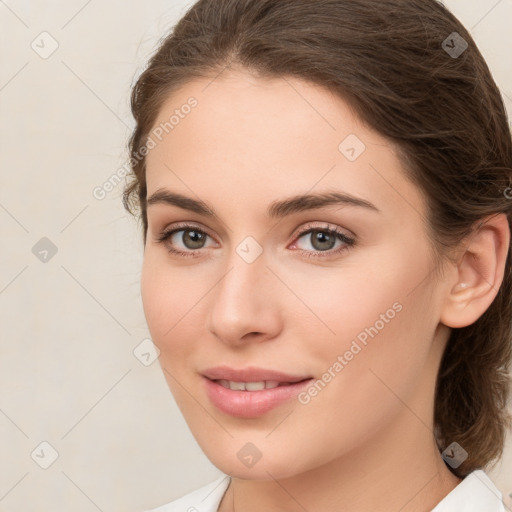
[(475, 493), (204, 499)]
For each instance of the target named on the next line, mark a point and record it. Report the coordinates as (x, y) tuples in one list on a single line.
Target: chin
[(268, 467)]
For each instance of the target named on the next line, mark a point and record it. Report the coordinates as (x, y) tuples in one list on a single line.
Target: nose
[(245, 303)]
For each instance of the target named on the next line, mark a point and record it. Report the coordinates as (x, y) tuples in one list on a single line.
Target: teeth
[(249, 386), (253, 386)]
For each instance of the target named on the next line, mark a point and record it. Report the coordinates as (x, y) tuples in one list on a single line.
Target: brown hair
[(442, 110)]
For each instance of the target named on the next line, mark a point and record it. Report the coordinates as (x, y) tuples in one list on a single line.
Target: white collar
[(476, 493)]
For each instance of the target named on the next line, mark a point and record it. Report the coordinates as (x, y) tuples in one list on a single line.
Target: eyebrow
[(276, 209)]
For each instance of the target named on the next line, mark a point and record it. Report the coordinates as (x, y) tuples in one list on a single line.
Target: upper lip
[(250, 374)]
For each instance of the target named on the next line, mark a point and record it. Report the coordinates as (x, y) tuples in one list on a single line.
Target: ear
[(479, 272)]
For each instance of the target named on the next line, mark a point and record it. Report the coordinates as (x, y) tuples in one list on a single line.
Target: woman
[(325, 193)]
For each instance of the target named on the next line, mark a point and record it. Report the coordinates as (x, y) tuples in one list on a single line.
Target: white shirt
[(476, 493)]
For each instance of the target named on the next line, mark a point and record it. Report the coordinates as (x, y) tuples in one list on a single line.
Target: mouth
[(255, 385), (252, 375), (251, 392)]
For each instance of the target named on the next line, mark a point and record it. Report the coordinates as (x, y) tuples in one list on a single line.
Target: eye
[(187, 240), (191, 238), (323, 239)]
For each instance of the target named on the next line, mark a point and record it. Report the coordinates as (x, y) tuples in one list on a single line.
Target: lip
[(250, 404), (250, 374)]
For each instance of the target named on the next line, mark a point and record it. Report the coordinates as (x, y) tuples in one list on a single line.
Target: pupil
[(322, 240), (194, 238)]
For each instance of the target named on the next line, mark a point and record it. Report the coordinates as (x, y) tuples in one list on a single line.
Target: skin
[(365, 442)]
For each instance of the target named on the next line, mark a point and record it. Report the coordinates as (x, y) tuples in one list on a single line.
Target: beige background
[(69, 326)]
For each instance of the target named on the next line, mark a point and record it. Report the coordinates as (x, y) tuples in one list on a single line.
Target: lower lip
[(250, 404)]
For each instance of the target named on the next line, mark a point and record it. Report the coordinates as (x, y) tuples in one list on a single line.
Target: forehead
[(269, 137)]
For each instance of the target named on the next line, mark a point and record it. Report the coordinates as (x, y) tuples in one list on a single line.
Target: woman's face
[(339, 292)]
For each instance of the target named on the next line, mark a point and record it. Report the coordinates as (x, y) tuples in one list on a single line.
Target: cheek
[(154, 294), (166, 297), (381, 322), (358, 298), (168, 307), (384, 335), (360, 396), (175, 303)]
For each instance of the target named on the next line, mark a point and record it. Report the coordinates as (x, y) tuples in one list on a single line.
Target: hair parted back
[(445, 115)]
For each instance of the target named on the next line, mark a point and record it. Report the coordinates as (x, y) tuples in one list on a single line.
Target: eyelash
[(348, 241)]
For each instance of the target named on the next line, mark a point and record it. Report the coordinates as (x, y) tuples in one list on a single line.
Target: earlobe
[(479, 273)]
